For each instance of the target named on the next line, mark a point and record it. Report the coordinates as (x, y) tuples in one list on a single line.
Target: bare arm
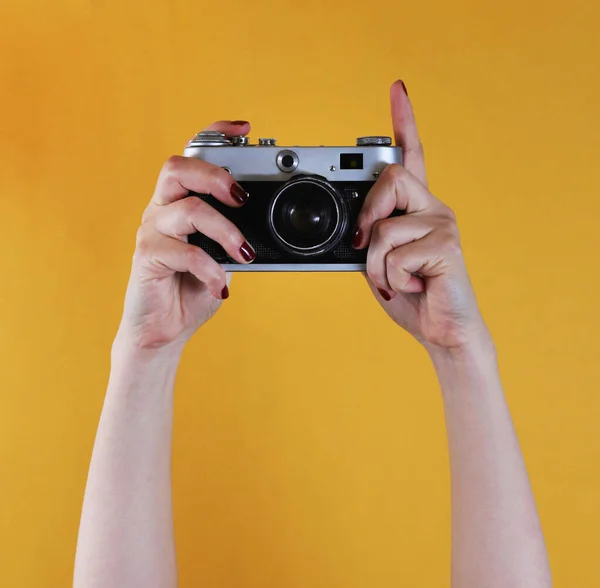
[(126, 530), (416, 270), (497, 541)]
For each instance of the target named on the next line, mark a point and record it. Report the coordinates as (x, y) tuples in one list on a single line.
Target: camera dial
[(240, 140), (373, 141), (209, 139)]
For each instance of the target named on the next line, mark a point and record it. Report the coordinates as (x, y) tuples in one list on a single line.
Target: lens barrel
[(307, 216)]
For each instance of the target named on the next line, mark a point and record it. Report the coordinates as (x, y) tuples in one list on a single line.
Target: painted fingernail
[(404, 87), (247, 252), (225, 293), (357, 237), (238, 193), (239, 123), (384, 294)]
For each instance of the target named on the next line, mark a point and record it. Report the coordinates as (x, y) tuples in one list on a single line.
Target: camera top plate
[(266, 161)]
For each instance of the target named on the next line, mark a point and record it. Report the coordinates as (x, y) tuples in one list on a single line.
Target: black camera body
[(303, 202)]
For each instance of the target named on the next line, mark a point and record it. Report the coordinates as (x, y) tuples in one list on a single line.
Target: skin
[(417, 272)]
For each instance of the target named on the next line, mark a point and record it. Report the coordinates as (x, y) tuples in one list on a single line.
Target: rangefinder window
[(351, 160)]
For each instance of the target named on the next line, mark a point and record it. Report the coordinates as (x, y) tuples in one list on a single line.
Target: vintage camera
[(303, 202)]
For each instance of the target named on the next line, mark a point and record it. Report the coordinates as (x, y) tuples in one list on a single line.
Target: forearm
[(126, 531), (497, 541)]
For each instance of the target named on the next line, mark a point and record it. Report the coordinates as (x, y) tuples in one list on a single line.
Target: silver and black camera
[(303, 202)]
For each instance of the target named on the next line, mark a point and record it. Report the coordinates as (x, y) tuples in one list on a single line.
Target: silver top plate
[(259, 162)]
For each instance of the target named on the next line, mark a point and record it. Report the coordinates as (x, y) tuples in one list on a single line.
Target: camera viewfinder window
[(351, 161)]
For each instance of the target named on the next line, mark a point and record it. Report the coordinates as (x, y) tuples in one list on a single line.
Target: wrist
[(475, 345), (140, 390), (474, 362), (127, 354), (142, 377), (478, 351)]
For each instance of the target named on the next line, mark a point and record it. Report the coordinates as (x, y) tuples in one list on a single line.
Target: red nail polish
[(357, 238), (384, 294), (404, 87), (238, 193), (225, 293), (239, 123), (247, 252)]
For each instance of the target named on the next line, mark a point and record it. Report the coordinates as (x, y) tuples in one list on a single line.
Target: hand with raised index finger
[(415, 264)]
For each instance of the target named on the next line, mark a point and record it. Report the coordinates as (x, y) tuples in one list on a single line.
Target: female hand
[(415, 265), (176, 287)]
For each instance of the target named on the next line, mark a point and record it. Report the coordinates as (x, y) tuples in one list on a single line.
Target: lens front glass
[(305, 215)]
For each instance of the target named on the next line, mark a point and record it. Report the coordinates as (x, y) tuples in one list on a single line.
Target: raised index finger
[(406, 134)]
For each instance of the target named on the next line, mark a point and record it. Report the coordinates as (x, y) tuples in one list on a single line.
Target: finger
[(428, 258), (191, 215), (396, 189), (400, 279), (406, 133), (166, 255), (181, 175), (197, 287), (230, 128), (389, 234)]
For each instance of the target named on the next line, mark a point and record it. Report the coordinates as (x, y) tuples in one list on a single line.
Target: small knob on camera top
[(267, 142), (373, 141), (240, 140)]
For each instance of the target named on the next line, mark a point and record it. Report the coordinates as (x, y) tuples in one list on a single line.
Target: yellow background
[(309, 441)]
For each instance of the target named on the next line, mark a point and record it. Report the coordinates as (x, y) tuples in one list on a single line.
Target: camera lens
[(307, 216)]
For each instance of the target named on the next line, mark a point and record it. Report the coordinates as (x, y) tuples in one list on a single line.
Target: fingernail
[(404, 87), (239, 123), (357, 238), (384, 294), (247, 252), (238, 193), (225, 293)]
